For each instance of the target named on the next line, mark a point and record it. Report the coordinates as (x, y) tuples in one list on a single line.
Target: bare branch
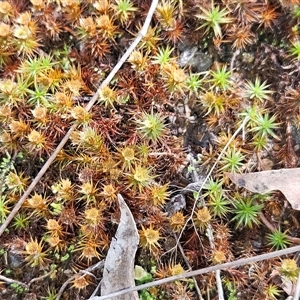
[(9, 280), (189, 266), (96, 266), (239, 262)]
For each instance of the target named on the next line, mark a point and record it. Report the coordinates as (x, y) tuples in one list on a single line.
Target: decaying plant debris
[(203, 70), (284, 180), (118, 271)]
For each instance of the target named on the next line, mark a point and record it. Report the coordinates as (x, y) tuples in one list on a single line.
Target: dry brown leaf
[(118, 271), (285, 180)]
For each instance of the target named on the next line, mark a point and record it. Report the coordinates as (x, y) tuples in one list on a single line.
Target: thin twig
[(161, 153), (219, 285), (237, 263), (297, 290), (141, 34), (96, 290), (235, 54), (241, 127), (9, 280), (209, 234), (40, 277), (272, 229), (35, 181), (190, 267), (96, 266), (63, 287), (215, 164)]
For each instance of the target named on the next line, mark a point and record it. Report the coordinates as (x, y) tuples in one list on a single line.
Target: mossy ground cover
[(203, 69)]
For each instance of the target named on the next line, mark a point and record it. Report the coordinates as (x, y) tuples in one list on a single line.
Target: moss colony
[(202, 69)]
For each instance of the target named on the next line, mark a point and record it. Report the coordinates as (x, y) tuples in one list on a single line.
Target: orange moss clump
[(149, 237)]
